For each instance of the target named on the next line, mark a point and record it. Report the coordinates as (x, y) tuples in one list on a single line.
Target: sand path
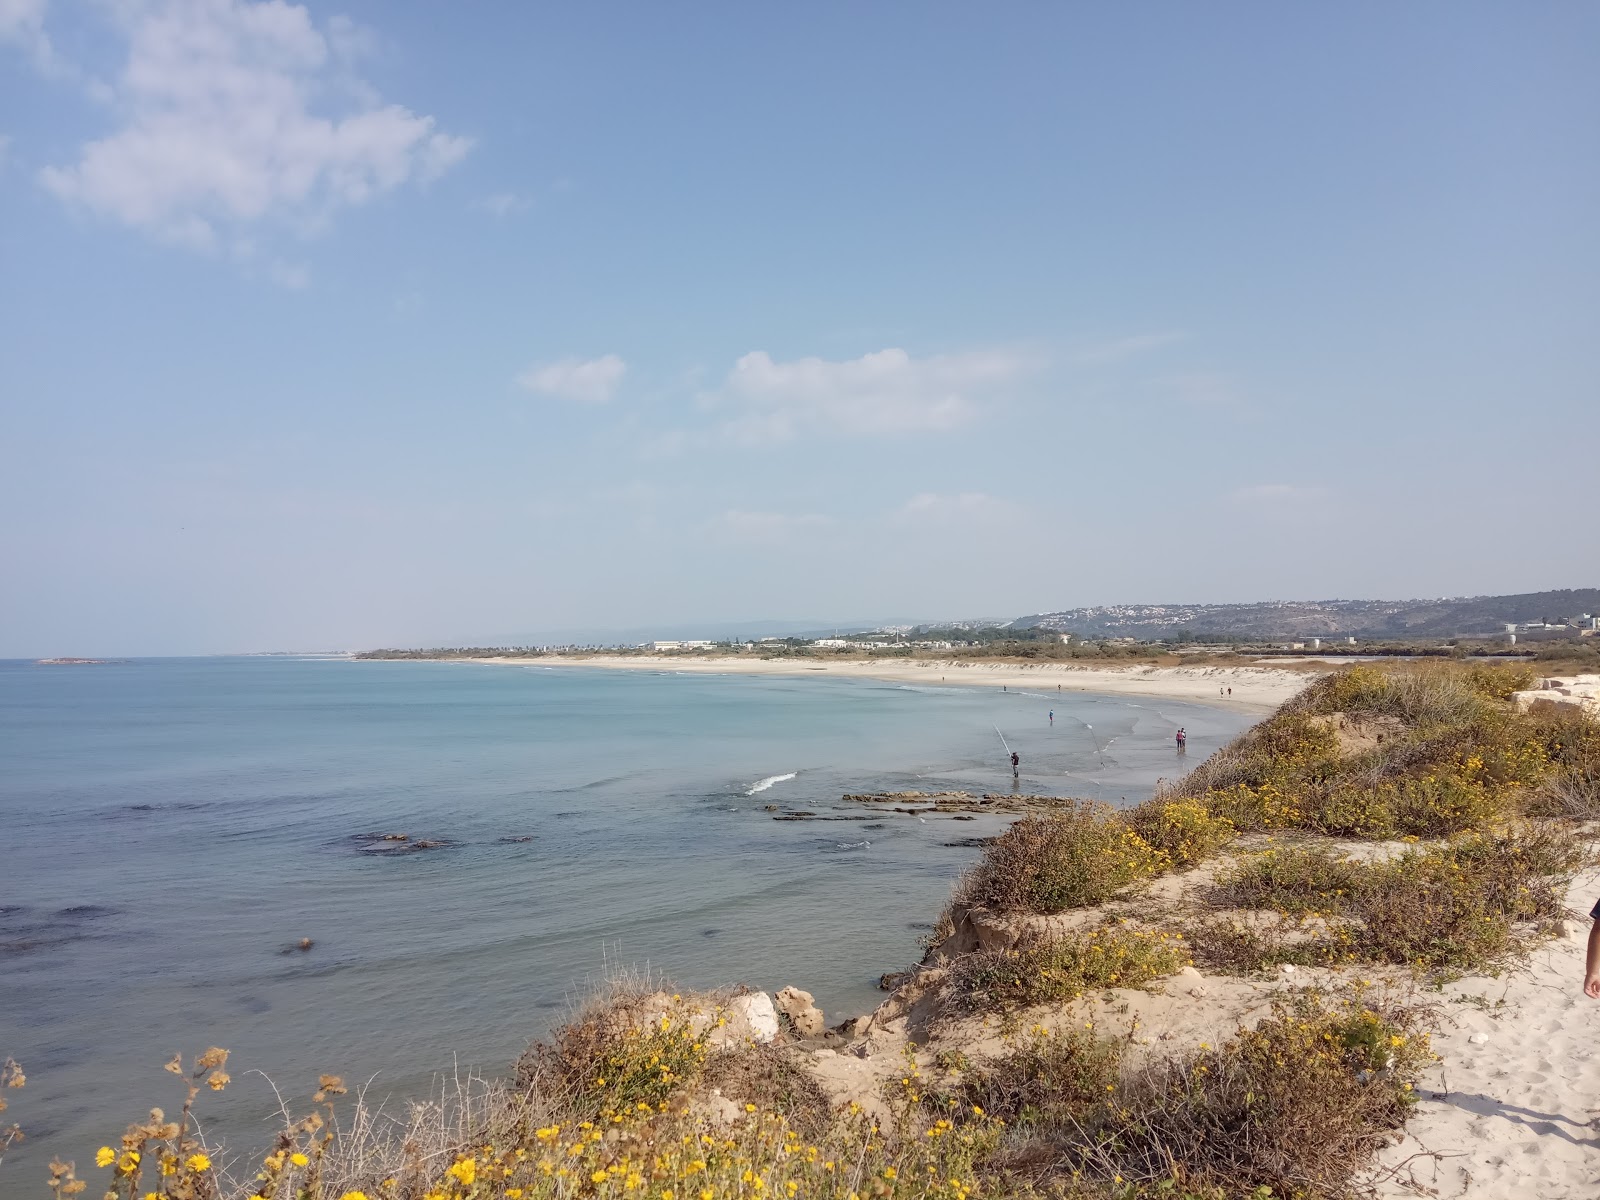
[(1511, 1109)]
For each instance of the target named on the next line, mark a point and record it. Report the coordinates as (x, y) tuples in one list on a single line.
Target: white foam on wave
[(762, 785)]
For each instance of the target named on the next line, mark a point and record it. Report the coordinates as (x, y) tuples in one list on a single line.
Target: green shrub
[(1181, 830), (1076, 858), (1291, 880), (1049, 1079), (1295, 1107), (1062, 968), (1467, 905)]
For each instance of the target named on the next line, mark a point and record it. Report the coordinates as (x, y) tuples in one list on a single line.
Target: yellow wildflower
[(466, 1171), (198, 1162), (104, 1156), (299, 1159)]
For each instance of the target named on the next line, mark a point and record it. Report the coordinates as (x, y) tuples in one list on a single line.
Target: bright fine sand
[(1511, 1109), (1256, 689)]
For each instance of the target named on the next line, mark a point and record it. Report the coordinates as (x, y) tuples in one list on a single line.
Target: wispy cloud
[(503, 204), (218, 131), (1121, 349), (766, 528), (887, 391), (587, 381), (935, 506), (22, 24), (290, 275)]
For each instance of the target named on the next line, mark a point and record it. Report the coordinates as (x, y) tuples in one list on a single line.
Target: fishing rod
[(1095, 738), (1003, 740)]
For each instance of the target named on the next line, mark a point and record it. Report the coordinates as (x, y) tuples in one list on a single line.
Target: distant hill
[(1476, 616)]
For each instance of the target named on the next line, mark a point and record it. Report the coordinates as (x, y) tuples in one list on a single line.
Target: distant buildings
[(658, 646), (1585, 625)]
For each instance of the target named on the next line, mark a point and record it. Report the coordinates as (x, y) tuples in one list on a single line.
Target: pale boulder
[(751, 1017), (802, 1011)]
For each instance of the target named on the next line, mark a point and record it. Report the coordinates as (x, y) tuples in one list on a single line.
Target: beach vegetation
[(1296, 1105), (1062, 967), (1079, 856), (1183, 831), (1473, 903), (1424, 750)]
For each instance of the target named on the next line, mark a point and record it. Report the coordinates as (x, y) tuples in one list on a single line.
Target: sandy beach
[(1255, 689), (1510, 1110)]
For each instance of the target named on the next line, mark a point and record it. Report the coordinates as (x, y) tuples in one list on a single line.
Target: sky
[(415, 323)]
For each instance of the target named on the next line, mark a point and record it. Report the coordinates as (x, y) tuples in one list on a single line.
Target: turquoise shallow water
[(169, 827)]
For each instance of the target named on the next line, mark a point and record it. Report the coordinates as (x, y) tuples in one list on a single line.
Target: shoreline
[(1258, 690)]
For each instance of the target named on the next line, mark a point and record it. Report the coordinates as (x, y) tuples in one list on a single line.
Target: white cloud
[(887, 391), (936, 505), (766, 527), (218, 130), (588, 381), (22, 24)]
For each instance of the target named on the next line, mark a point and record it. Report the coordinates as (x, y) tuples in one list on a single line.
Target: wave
[(762, 785)]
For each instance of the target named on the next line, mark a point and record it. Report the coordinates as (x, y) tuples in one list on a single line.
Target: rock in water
[(802, 1011)]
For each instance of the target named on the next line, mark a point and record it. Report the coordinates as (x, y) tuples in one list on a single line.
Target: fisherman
[(1015, 762)]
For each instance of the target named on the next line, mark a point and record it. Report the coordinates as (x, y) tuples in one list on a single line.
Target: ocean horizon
[(175, 827)]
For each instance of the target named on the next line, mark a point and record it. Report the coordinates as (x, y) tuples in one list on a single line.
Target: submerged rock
[(395, 843)]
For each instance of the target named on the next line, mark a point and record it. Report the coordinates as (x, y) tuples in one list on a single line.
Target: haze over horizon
[(381, 324)]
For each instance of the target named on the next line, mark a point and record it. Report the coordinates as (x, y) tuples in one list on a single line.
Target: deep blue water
[(168, 827)]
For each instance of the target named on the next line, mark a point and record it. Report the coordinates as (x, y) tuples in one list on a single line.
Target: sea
[(171, 829)]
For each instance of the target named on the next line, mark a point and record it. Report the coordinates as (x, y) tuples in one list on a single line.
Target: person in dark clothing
[(1014, 762)]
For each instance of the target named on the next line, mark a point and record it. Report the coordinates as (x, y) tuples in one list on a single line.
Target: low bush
[(1468, 905), (765, 1076), (1079, 857), (1182, 831), (1290, 880), (1454, 755), (620, 1051), (1057, 969), (1294, 1107), (1048, 1079)]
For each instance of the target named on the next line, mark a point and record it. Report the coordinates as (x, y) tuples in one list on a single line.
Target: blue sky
[(328, 326)]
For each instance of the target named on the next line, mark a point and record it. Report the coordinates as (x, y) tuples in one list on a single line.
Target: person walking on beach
[(1183, 739), (1591, 968), (1015, 763), (1052, 716)]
